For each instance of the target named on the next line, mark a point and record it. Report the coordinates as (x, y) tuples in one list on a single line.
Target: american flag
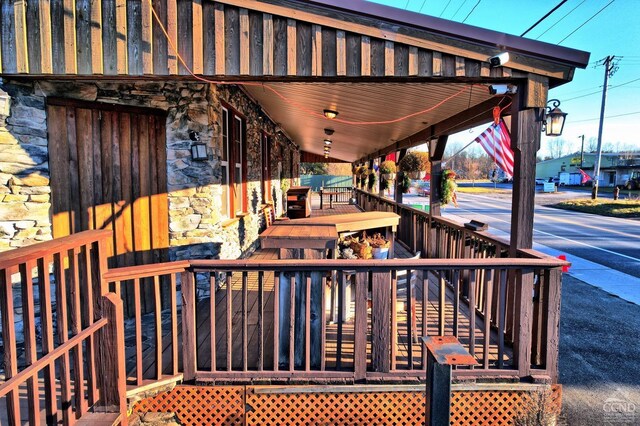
[(497, 143)]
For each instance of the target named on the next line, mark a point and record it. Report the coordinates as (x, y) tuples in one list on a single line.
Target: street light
[(553, 119)]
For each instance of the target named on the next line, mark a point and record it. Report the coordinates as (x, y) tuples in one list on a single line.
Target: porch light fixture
[(327, 149), (553, 118), (199, 152), (327, 142), (329, 131), (330, 114)]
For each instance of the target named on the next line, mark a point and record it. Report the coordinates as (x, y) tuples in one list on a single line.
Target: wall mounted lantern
[(553, 119), (199, 152)]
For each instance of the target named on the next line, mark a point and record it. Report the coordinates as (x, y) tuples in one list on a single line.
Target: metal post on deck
[(443, 352)]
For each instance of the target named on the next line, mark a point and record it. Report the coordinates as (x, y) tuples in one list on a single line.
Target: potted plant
[(405, 183), (363, 171), (415, 164), (379, 246), (388, 170), (371, 180)]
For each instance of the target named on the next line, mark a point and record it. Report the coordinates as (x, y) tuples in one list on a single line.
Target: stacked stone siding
[(197, 226)]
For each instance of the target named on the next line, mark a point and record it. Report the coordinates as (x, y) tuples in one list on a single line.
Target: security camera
[(502, 89), (499, 60)]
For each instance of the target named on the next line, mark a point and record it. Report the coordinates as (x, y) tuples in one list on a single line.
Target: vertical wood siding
[(119, 37)]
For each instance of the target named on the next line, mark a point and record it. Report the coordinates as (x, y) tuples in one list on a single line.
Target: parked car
[(422, 187)]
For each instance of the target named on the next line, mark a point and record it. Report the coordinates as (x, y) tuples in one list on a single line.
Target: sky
[(614, 31)]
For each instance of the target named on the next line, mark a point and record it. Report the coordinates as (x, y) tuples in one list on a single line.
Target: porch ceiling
[(362, 102)]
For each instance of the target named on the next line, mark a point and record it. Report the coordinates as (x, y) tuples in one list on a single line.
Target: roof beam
[(474, 116)]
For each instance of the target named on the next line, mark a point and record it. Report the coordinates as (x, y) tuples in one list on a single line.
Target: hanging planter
[(415, 165), (372, 180), (449, 187), (388, 170), (405, 183)]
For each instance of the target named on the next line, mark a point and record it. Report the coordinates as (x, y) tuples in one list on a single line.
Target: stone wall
[(197, 227)]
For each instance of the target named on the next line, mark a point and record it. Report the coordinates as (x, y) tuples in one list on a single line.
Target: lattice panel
[(493, 408), (370, 408), (199, 405)]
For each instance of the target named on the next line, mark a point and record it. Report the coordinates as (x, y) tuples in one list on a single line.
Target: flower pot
[(417, 175), (388, 176), (380, 252)]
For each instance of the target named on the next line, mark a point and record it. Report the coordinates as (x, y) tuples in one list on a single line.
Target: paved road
[(611, 242)]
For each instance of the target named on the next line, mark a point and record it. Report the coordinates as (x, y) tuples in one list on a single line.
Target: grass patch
[(620, 208), (481, 190)]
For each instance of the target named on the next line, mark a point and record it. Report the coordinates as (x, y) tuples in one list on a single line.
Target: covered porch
[(149, 137)]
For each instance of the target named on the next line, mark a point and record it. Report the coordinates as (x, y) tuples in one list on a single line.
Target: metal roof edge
[(469, 33)]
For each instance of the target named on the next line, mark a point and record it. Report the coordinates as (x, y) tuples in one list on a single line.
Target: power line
[(458, 10), (543, 18), (599, 91), (469, 14), (407, 5), (423, 3), (585, 22), (445, 8), (559, 20), (608, 116)]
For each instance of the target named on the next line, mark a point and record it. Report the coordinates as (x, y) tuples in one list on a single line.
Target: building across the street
[(615, 168)]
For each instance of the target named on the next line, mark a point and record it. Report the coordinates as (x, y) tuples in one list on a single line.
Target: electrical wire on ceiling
[(585, 22), (292, 102)]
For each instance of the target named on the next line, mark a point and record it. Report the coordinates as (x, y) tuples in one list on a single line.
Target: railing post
[(523, 321), (442, 353), (553, 322), (381, 338), (360, 326), (188, 326), (112, 358)]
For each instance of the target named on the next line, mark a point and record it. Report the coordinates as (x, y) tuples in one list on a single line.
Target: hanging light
[(553, 119), (327, 142), (330, 114), (327, 149)]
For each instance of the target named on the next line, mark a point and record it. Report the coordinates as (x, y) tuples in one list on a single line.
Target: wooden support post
[(436, 152), (399, 175), (112, 361), (381, 339), (188, 326), (360, 326), (525, 142), (380, 190), (553, 322)]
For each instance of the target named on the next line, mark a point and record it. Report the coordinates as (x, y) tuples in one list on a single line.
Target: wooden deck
[(339, 351)]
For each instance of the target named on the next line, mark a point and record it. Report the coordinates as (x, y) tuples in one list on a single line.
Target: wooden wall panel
[(160, 44), (377, 57), (234, 37), (303, 49), (354, 54), (134, 35), (256, 48), (401, 60), (232, 40), (185, 35), (208, 38), (279, 46), (329, 65), (33, 36), (7, 20)]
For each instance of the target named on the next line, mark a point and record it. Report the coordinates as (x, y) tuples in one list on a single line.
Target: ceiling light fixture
[(330, 114), (328, 131), (327, 141)]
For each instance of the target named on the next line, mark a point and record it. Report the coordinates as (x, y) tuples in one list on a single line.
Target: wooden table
[(313, 238), (330, 194)]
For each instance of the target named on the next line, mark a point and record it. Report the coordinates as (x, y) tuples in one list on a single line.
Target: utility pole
[(582, 152), (610, 67)]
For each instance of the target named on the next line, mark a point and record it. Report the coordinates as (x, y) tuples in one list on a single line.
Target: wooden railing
[(74, 363), (342, 194), (442, 238), (250, 329)]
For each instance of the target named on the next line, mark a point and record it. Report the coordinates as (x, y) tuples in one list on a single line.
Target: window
[(266, 168), (233, 163)]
